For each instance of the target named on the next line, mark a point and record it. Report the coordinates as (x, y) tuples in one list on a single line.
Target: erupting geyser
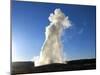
[(52, 50)]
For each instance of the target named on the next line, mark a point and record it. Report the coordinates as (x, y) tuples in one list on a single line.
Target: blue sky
[(29, 20)]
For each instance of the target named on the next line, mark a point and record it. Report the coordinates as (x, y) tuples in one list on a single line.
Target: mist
[(52, 48)]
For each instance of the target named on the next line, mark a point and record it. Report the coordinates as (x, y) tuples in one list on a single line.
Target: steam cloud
[(52, 49)]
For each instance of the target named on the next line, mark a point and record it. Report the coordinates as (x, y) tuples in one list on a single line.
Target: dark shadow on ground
[(28, 67)]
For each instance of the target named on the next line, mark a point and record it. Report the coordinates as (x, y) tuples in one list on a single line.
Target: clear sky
[(29, 20)]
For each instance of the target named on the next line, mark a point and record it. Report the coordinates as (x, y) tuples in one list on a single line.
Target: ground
[(28, 67)]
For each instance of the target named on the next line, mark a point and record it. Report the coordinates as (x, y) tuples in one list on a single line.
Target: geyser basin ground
[(29, 68)]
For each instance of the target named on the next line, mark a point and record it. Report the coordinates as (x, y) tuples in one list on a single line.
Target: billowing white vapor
[(52, 51)]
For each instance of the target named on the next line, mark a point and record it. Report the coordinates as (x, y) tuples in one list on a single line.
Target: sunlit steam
[(52, 49)]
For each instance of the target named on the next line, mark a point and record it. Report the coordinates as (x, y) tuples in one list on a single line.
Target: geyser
[(52, 50)]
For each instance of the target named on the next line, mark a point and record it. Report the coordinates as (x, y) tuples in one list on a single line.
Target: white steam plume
[(52, 50)]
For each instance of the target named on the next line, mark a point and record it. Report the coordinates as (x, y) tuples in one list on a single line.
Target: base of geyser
[(41, 64)]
